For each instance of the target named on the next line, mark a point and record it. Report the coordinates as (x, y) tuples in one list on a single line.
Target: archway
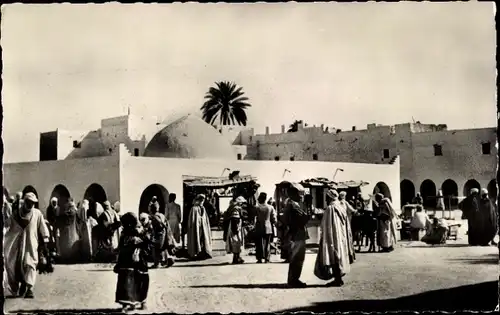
[(62, 194), (94, 193), (450, 191), (428, 192), (492, 189), (407, 192), (153, 190), (31, 189), (471, 183), (382, 188)]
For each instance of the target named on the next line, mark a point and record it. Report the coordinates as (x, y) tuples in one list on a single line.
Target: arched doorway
[(94, 193), (471, 183), (450, 191), (492, 189), (382, 188), (62, 194), (153, 190), (407, 192), (31, 189), (428, 192)]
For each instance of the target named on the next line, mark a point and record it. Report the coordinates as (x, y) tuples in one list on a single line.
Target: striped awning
[(200, 181)]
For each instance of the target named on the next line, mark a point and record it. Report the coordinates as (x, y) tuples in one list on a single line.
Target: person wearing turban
[(295, 218), (68, 234), (109, 234), (24, 241), (386, 229), (489, 219), (333, 261), (199, 237), (131, 267), (471, 212)]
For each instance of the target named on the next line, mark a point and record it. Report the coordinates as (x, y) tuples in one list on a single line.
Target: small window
[(292, 158), (136, 152), (386, 153), (486, 148), (276, 158), (76, 144), (438, 150), (315, 157), (110, 150), (239, 156)]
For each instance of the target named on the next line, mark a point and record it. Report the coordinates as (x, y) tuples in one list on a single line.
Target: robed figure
[(489, 218), (386, 216), (68, 240), (199, 238), (471, 212), (27, 233), (334, 255)]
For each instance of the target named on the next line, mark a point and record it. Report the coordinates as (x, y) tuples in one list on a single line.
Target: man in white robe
[(26, 232), (333, 260), (199, 237)]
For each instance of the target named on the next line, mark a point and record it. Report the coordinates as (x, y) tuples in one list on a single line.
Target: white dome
[(192, 138)]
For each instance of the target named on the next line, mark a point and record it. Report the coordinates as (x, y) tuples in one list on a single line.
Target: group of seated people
[(429, 231)]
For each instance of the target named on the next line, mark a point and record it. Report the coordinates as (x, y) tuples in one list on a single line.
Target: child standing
[(132, 269), (234, 242)]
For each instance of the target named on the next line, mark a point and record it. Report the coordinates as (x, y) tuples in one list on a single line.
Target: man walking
[(296, 218), (264, 220), (21, 248)]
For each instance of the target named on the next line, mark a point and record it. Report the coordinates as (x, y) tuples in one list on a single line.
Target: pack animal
[(364, 227)]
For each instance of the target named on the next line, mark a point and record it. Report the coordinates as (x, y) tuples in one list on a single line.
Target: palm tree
[(295, 126), (227, 103)]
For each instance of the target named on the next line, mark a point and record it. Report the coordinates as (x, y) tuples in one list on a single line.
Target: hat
[(474, 191), (332, 193), (343, 193), (484, 191), (200, 197), (31, 197), (240, 199), (53, 199)]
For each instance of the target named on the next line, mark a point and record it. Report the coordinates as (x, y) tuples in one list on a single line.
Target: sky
[(342, 64)]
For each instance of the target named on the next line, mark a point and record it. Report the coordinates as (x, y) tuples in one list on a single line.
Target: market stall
[(219, 192), (315, 200)]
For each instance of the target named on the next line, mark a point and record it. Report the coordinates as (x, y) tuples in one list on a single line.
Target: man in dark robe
[(295, 218), (470, 209), (489, 217)]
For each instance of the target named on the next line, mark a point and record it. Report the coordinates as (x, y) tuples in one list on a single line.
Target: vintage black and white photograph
[(249, 158)]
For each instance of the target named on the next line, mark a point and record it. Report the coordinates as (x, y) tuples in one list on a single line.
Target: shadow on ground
[(423, 245), (476, 297), (202, 265), (490, 259), (254, 286), (70, 311)]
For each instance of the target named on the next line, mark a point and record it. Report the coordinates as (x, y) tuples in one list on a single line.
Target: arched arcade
[(153, 190)]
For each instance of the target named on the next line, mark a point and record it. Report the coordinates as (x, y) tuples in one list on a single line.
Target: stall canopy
[(217, 182), (324, 182)]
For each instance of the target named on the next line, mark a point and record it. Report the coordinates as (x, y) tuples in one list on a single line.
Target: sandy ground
[(400, 279)]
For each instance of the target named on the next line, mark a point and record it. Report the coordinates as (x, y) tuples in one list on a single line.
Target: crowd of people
[(89, 231)]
